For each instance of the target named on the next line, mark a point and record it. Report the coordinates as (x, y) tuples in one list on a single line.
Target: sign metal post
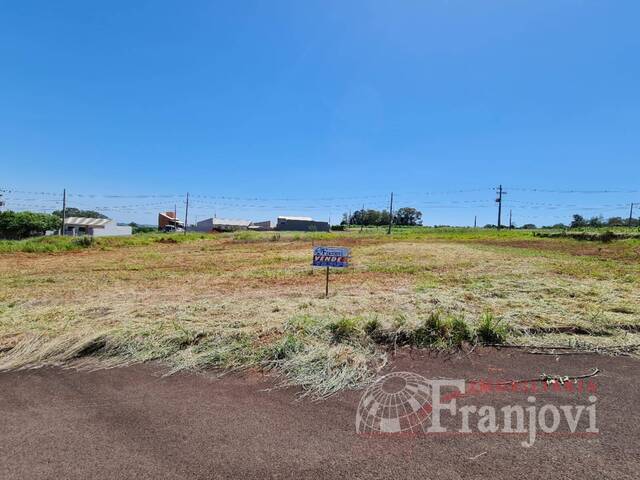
[(336, 257)]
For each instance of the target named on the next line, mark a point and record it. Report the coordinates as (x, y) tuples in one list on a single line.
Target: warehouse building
[(301, 224), (222, 225)]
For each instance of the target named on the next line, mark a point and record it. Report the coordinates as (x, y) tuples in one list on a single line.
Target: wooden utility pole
[(631, 215), (64, 210), (186, 215), (362, 218), (390, 214), (499, 202), (510, 224), (475, 221)]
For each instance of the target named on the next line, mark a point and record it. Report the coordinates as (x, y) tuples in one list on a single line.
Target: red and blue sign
[(337, 257)]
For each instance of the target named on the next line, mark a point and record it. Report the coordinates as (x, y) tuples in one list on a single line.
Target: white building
[(96, 227)]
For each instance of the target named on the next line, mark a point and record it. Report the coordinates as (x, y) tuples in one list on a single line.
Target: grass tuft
[(442, 332), (343, 329), (491, 330)]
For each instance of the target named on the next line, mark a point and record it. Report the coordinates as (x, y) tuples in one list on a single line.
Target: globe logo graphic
[(397, 403)]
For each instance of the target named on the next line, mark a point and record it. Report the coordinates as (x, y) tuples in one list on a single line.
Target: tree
[(407, 216), (578, 221), (529, 226), (75, 212), (404, 216), (18, 225), (596, 221), (617, 222)]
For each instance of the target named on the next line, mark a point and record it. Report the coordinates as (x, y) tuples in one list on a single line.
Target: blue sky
[(317, 107)]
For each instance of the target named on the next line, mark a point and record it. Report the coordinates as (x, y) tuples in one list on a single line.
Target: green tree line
[(403, 216), (18, 225)]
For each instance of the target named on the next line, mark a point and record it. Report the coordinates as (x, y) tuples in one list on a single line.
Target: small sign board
[(337, 257)]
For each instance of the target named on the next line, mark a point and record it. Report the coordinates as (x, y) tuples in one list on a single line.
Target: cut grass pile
[(322, 355), (251, 300)]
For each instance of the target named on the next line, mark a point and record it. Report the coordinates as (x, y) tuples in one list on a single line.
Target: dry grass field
[(253, 300)]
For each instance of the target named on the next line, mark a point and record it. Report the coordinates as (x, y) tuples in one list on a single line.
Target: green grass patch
[(491, 329)]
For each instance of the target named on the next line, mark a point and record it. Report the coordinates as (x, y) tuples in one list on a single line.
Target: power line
[(584, 192)]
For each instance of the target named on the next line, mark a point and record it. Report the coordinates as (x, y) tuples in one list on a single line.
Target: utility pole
[(175, 217), (475, 221), (631, 215), (186, 215), (349, 220), (499, 202), (390, 214), (510, 224), (64, 210), (362, 218)]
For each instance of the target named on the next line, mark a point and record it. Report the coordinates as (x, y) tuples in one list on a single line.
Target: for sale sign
[(331, 257)]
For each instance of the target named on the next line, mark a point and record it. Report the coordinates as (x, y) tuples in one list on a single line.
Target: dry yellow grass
[(158, 300)]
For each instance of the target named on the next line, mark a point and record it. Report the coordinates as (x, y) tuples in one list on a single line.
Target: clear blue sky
[(291, 106)]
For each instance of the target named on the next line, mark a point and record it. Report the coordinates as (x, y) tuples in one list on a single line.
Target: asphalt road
[(132, 423)]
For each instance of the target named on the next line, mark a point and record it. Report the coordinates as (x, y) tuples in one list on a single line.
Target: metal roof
[(85, 221), (228, 221), (304, 219)]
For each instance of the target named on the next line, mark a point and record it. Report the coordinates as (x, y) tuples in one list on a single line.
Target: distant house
[(95, 227), (301, 224), (222, 225), (169, 219)]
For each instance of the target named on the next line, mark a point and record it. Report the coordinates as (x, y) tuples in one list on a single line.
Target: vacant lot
[(253, 299)]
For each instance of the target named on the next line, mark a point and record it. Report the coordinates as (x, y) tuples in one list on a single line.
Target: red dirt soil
[(134, 423)]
